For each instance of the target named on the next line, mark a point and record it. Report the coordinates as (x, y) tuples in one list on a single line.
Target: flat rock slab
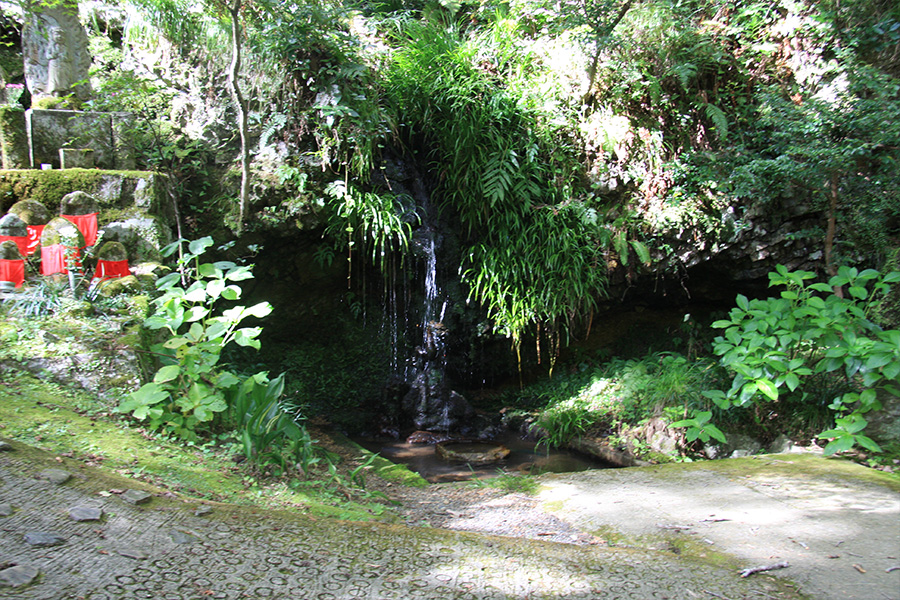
[(85, 513), (18, 575), (5, 509), (136, 496), (249, 552), (44, 539), (57, 476), (833, 521)]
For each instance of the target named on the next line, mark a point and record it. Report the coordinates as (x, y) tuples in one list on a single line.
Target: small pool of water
[(523, 458)]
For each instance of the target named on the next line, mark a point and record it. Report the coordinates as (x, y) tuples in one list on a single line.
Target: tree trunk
[(236, 34)]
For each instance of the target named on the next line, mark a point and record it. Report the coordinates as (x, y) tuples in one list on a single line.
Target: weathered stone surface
[(12, 225), (6, 447), (57, 476), (13, 138), (182, 537), (114, 251), (9, 250), (18, 575), (78, 203), (203, 511), (136, 496), (50, 129), (85, 513), (31, 212), (133, 553), (55, 48), (60, 230), (143, 237), (44, 539), (5, 509), (76, 158)]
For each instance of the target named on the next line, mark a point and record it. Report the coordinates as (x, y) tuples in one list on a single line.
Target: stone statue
[(55, 47)]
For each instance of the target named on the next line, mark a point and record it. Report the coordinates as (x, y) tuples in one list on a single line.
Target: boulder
[(31, 212), (13, 226), (61, 231), (112, 251), (78, 203), (9, 251)]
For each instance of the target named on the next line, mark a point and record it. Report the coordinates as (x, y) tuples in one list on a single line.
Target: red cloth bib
[(110, 269), (13, 270), (53, 259), (20, 240), (34, 238), (87, 225)]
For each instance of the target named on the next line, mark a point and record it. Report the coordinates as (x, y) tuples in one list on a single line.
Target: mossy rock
[(12, 225), (112, 251), (31, 212), (47, 187), (59, 231), (9, 251), (121, 285), (78, 203)]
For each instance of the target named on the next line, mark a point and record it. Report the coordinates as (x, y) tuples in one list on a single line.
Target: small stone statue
[(55, 47)]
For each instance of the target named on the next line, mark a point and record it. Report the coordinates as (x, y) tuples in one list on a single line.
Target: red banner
[(13, 270), (87, 225), (110, 269), (53, 259), (34, 238)]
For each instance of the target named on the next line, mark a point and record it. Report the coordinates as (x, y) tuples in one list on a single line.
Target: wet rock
[(427, 437), (5, 447), (56, 476), (43, 539), (85, 513), (136, 496), (18, 575), (5, 509), (203, 511), (473, 454), (739, 445)]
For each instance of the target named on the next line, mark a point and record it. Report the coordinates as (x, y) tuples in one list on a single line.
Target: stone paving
[(52, 546)]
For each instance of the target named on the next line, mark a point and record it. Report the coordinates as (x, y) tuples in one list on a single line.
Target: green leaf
[(715, 433), (767, 388), (167, 373), (232, 292), (841, 444), (260, 310), (198, 247), (209, 270), (742, 302), (247, 337)]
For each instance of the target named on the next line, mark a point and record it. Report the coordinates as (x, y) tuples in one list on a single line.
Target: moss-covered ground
[(77, 426)]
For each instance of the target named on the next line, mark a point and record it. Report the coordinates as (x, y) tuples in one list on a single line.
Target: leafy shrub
[(810, 337), (189, 390)]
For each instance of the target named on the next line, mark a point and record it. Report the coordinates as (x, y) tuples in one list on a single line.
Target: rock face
[(55, 45)]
